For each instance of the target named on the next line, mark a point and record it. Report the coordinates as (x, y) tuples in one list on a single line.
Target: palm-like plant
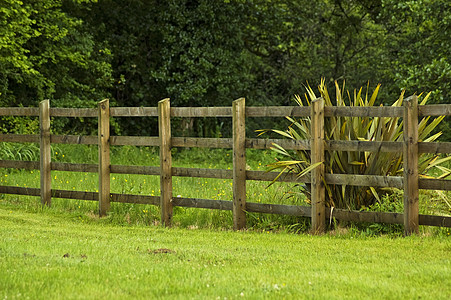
[(350, 162)]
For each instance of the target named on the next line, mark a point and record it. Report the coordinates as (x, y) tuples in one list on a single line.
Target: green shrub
[(347, 162), (19, 125)]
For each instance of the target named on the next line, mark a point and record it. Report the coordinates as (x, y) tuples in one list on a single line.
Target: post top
[(318, 99), (411, 98), (164, 100)]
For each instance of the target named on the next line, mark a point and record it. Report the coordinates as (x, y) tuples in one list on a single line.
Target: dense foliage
[(46, 53), (354, 162), (198, 52)]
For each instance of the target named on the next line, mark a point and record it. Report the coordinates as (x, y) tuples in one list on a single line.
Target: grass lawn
[(48, 255)]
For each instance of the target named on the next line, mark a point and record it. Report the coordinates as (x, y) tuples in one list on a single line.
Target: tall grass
[(216, 189)]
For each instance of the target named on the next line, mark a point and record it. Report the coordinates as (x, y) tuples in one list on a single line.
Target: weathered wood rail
[(409, 182)]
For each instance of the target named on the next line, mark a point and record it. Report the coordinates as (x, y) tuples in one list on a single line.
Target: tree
[(206, 53), (418, 39), (45, 53), (302, 41), (419, 49), (190, 51)]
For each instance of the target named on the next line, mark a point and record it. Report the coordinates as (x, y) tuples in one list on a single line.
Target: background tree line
[(207, 53)]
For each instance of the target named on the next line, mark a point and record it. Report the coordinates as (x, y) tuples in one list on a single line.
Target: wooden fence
[(409, 182)]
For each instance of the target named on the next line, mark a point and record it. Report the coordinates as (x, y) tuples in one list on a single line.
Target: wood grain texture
[(364, 216), (239, 164), (439, 221), (263, 111), (164, 124), (20, 138), (410, 165), (270, 176), (190, 112), (134, 112), (203, 203), (19, 111), (365, 180), (20, 164), (202, 173), (74, 112), (278, 111), (284, 143), (45, 152), (16, 190), (135, 141), (435, 184), (74, 139), (71, 167), (104, 157), (434, 147), (189, 142), (364, 111), (318, 191), (142, 170), (434, 110), (364, 146), (135, 199), (291, 210), (76, 195)]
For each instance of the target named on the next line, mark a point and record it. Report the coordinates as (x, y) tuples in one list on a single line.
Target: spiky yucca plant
[(349, 162)]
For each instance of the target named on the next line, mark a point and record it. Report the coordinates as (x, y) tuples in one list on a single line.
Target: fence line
[(264, 111), (409, 182), (188, 142)]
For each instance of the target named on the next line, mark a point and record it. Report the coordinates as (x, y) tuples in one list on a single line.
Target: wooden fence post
[(45, 152), (318, 190), (104, 157), (410, 161), (239, 164), (164, 124)]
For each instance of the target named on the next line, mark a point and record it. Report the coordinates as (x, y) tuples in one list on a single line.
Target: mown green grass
[(49, 256), (52, 256)]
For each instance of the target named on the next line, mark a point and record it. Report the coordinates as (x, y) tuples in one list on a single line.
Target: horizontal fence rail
[(339, 179), (256, 111), (239, 112), (189, 142)]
